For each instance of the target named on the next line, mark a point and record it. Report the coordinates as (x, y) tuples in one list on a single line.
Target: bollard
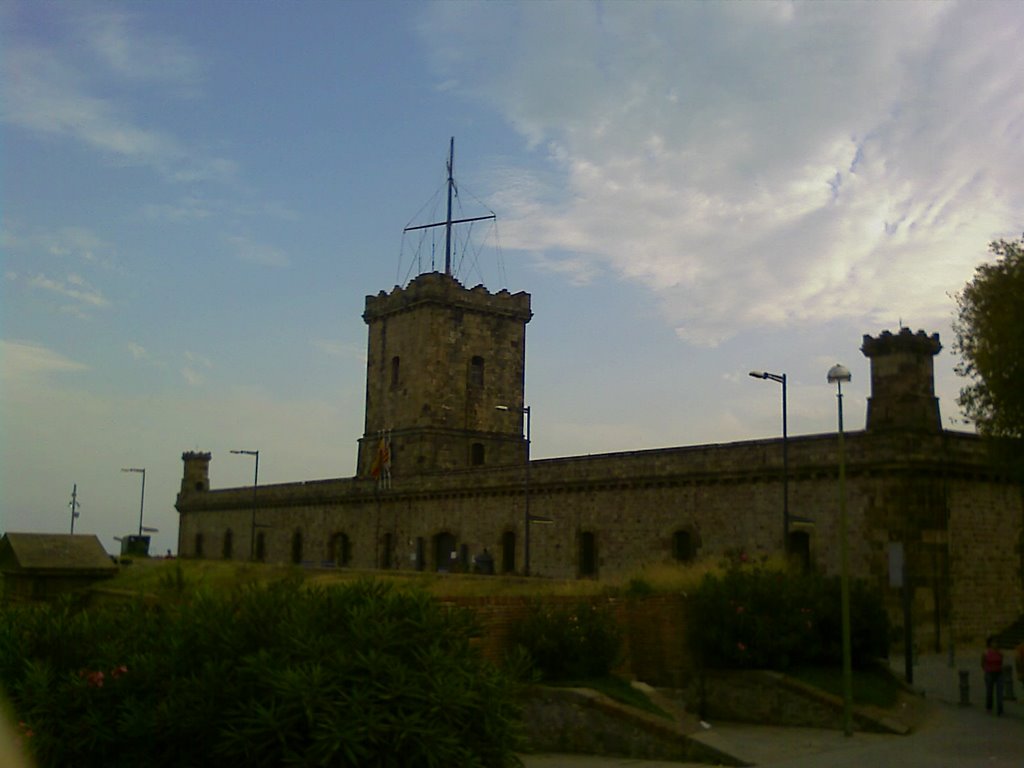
[(1008, 684), (965, 688)]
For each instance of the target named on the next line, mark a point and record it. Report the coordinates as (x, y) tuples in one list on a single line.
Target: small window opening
[(395, 365), (476, 372), (476, 455)]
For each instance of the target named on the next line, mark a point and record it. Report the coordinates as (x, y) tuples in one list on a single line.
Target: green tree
[(989, 330)]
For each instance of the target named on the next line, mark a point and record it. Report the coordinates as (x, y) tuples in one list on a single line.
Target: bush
[(570, 643), (266, 676), (755, 618)]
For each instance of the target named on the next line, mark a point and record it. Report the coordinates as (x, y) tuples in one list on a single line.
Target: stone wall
[(959, 522)]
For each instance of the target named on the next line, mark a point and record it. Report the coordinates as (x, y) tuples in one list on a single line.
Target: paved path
[(952, 735)]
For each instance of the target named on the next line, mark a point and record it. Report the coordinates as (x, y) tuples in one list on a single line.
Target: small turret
[(903, 381), (197, 472)]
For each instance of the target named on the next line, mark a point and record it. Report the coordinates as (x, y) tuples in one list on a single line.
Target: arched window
[(476, 455), (508, 552), (261, 547), (199, 545), (445, 557), (421, 554), (476, 372), (229, 543), (340, 549), (386, 546), (395, 365), (682, 546), (588, 554), (297, 546)]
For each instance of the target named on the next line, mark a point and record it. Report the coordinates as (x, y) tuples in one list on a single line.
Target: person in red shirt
[(992, 665)]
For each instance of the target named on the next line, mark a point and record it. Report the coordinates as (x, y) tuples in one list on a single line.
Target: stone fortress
[(443, 478)]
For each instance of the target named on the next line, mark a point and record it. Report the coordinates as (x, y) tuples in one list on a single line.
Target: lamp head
[(758, 374), (838, 373)]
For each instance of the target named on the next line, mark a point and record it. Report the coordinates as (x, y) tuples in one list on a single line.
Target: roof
[(20, 552)]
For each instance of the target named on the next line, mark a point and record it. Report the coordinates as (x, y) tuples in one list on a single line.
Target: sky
[(196, 197)]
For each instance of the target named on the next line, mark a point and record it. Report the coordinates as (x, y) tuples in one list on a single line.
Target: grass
[(871, 687), (158, 576)]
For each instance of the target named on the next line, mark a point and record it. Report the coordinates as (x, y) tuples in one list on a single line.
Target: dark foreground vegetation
[(242, 666), (276, 675), (758, 618)]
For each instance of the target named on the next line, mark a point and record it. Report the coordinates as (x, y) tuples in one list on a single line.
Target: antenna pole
[(448, 221), (74, 506)]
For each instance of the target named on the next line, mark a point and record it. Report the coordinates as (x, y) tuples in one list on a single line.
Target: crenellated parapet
[(444, 290)]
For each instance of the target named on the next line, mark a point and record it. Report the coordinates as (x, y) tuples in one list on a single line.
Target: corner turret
[(196, 478), (903, 381)]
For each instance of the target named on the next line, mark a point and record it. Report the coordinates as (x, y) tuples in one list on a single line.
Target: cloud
[(77, 243), (246, 249), (54, 90), (339, 349), (755, 164), (193, 369), (25, 360), (73, 287), (135, 54)]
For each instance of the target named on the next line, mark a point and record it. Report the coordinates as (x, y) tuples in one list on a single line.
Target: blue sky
[(197, 197)]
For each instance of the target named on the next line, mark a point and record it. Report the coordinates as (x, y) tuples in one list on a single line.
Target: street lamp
[(142, 501), (781, 379), (837, 374), (255, 484), (526, 487)]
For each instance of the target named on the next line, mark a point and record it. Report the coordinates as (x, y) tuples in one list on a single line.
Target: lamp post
[(837, 374), (781, 379), (527, 519), (142, 501), (255, 484)]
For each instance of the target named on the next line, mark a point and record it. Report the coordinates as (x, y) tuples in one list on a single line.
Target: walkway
[(953, 736)]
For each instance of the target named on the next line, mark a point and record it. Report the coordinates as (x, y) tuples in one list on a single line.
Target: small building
[(40, 566)]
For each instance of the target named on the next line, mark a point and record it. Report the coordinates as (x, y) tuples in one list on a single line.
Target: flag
[(380, 470)]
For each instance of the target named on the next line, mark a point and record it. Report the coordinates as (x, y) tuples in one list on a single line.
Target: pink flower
[(741, 646), (117, 672), (739, 609), (95, 679)]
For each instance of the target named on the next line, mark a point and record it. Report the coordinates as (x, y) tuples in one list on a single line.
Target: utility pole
[(74, 506)]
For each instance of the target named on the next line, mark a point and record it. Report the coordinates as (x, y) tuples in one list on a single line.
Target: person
[(992, 664)]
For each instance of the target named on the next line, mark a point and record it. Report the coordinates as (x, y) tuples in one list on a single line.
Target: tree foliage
[(989, 330)]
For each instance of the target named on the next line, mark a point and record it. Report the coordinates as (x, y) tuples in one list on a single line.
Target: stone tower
[(440, 358), (903, 381)]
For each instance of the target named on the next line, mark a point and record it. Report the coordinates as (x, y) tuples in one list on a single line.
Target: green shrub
[(570, 643), (266, 676), (756, 618)]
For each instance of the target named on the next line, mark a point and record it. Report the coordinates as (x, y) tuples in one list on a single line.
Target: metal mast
[(447, 223)]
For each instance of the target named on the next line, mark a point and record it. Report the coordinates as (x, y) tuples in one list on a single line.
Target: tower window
[(261, 546), (199, 545), (476, 372), (476, 455), (297, 547), (395, 364)]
